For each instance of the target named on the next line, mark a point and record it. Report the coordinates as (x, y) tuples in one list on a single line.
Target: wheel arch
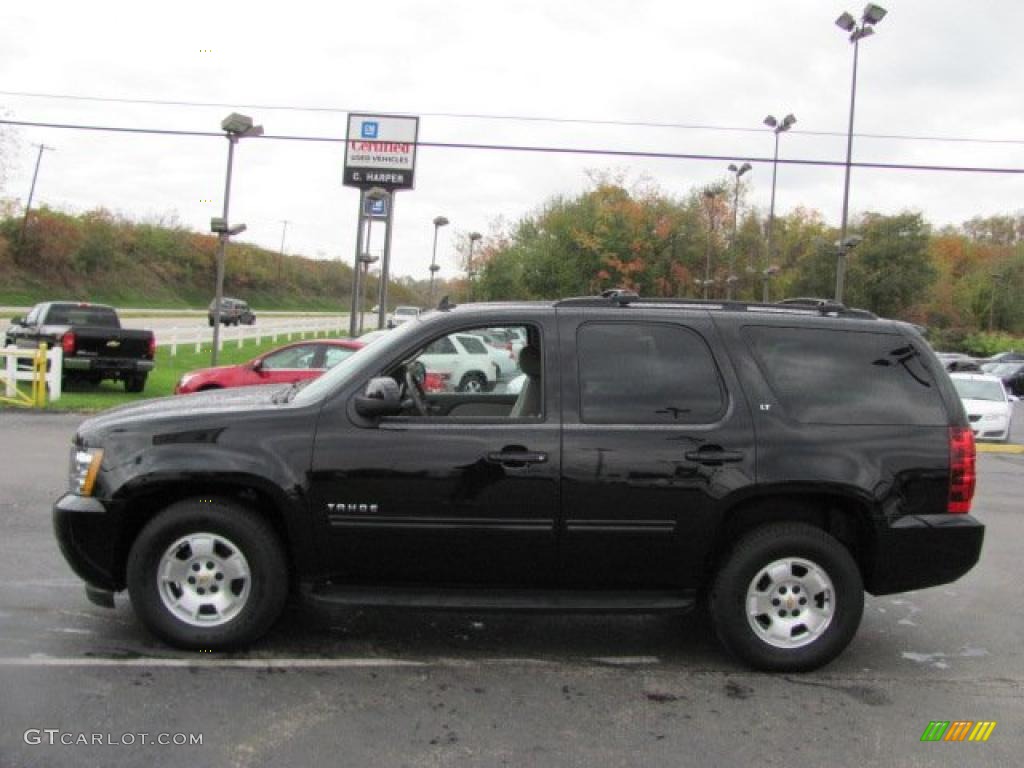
[(252, 493), (842, 515)]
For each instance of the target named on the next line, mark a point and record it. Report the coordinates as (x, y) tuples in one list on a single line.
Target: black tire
[(754, 552), (253, 537), (136, 382), (473, 382)]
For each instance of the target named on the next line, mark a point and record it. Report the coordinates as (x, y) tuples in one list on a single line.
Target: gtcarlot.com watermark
[(55, 736)]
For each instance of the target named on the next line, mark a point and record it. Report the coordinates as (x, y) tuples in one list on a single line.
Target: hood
[(986, 407), (202, 405)]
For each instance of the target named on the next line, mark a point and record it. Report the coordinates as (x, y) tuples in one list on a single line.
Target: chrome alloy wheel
[(790, 602), (204, 579)]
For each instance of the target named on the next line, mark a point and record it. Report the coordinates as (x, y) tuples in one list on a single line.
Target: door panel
[(640, 501), (469, 500)]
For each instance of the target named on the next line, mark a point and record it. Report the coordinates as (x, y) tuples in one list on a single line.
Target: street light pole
[(992, 304), (32, 189), (235, 127), (709, 196), (439, 221), (471, 272), (777, 128), (871, 16), (735, 223)]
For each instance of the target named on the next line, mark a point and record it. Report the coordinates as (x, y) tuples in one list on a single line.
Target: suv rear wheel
[(788, 598), (207, 574), (473, 382)]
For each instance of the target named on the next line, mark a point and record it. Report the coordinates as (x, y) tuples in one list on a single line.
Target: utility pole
[(280, 253), (32, 189)]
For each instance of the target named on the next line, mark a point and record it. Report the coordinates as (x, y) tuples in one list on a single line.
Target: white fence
[(196, 336), (42, 370)]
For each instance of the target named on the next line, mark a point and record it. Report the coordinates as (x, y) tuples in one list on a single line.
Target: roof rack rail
[(802, 306)]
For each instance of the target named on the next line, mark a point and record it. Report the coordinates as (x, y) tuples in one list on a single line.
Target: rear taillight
[(961, 470), (67, 343), (151, 353), (436, 382)]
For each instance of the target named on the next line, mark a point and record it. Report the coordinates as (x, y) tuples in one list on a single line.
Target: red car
[(284, 365)]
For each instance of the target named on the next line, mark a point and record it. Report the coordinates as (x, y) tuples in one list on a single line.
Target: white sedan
[(989, 408), (460, 362)]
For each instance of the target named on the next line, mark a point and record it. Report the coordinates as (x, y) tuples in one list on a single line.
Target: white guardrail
[(41, 367), (196, 336)]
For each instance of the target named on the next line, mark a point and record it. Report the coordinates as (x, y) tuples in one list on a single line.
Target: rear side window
[(473, 345), (646, 373), (823, 376), (71, 314)]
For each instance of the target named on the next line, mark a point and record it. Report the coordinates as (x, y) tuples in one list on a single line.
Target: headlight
[(184, 380), (85, 465)]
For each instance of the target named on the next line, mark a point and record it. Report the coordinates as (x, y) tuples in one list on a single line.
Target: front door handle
[(517, 458), (714, 456)]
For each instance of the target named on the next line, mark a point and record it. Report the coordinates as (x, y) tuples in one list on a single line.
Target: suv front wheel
[(207, 574), (788, 598)]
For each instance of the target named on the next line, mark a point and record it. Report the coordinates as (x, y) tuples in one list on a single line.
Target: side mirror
[(381, 398), (17, 320), (257, 364)]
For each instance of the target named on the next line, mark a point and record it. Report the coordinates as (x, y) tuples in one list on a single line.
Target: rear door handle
[(713, 456), (517, 458)]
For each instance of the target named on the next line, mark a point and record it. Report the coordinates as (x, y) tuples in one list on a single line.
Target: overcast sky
[(934, 69)]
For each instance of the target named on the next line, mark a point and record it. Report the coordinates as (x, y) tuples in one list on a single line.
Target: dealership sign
[(380, 151)]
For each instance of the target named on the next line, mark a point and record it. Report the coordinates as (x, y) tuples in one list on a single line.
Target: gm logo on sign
[(369, 129), (958, 730)]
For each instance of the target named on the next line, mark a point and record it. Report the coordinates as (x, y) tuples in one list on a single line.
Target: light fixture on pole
[(235, 127), (439, 221), (737, 171), (32, 189), (777, 128), (871, 16), (470, 269)]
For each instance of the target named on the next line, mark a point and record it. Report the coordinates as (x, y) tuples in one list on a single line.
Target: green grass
[(161, 380)]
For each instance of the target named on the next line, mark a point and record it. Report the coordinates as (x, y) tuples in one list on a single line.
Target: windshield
[(979, 389), (331, 380), (406, 311)]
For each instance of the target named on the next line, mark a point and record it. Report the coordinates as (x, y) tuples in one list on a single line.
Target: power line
[(510, 118), (547, 149)]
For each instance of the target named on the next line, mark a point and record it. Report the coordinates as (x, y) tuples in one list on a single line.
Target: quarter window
[(647, 373), (823, 376)]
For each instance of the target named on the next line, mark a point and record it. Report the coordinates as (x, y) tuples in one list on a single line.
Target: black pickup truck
[(95, 345)]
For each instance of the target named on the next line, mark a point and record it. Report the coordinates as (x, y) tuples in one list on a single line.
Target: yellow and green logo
[(958, 730)]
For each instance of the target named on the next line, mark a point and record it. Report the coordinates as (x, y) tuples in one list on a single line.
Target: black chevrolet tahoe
[(769, 462)]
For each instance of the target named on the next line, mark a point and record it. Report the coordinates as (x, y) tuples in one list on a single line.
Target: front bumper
[(920, 551), (88, 538)]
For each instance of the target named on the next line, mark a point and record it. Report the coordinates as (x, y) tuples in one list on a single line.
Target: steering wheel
[(415, 391)]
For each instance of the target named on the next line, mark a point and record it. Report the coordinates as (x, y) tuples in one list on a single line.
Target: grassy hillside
[(101, 257)]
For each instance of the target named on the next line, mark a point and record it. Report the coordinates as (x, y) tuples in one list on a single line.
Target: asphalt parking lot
[(360, 688)]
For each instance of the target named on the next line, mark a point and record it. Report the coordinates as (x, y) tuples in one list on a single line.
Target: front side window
[(647, 373), (462, 375), (300, 357), (334, 355)]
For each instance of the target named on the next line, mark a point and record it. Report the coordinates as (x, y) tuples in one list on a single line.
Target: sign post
[(380, 151)]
